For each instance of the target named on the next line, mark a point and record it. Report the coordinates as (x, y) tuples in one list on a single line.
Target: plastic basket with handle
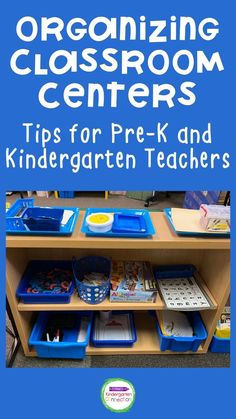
[(92, 294)]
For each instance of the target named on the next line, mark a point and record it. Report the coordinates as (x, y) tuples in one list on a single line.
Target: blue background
[(213, 89), (160, 392)]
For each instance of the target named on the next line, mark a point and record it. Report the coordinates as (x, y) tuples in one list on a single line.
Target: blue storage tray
[(220, 345), (149, 226), (69, 347), (117, 343), (167, 212), (124, 223), (15, 225), (182, 344), (35, 266)]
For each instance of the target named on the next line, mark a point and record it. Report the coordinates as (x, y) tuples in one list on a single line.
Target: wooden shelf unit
[(211, 256)]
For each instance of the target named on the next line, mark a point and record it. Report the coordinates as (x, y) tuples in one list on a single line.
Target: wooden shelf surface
[(164, 238), (77, 304)]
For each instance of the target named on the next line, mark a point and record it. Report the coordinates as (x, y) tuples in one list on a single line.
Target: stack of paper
[(174, 323), (116, 328), (66, 216)]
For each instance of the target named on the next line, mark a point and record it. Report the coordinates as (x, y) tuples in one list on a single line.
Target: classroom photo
[(113, 279)]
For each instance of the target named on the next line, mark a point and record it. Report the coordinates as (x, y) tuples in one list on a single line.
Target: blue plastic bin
[(174, 271), (66, 194), (92, 294), (182, 344), (113, 343), (32, 268), (220, 345), (43, 219), (69, 347)]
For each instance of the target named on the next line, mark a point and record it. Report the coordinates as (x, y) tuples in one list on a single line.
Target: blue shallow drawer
[(116, 343)]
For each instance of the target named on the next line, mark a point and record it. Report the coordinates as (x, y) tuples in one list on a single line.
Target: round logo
[(118, 395)]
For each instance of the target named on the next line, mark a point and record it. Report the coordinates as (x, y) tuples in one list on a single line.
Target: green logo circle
[(118, 395)]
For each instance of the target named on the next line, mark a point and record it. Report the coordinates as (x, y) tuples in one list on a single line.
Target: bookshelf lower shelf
[(147, 341)]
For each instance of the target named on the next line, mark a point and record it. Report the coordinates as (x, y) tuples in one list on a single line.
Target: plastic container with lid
[(100, 222)]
